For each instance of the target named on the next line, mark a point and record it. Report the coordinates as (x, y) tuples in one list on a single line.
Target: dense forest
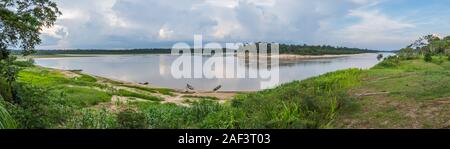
[(320, 50), (284, 49)]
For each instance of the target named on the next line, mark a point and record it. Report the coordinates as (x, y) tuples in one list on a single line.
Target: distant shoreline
[(287, 57)]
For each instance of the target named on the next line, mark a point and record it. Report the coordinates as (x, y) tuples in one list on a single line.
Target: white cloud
[(150, 23), (375, 28)]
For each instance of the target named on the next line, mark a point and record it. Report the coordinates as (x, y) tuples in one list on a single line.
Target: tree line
[(284, 49)]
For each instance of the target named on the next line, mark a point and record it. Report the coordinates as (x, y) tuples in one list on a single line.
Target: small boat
[(217, 88), (190, 87), (145, 83)]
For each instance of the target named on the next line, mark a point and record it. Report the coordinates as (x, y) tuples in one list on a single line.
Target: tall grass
[(6, 121), (313, 103), (92, 119)]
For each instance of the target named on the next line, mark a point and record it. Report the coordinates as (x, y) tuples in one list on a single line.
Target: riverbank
[(394, 94), (120, 91)]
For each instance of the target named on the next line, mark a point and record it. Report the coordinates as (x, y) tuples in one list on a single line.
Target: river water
[(156, 69)]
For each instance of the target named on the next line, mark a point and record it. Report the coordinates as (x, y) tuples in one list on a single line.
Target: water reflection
[(156, 69)]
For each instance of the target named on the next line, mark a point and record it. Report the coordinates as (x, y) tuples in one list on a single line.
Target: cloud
[(154, 23), (375, 28)]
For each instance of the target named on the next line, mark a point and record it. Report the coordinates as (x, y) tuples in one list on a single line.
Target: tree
[(407, 53), (21, 22), (9, 73), (428, 57)]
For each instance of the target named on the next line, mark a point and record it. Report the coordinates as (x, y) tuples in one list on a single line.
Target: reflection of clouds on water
[(155, 69), (164, 68)]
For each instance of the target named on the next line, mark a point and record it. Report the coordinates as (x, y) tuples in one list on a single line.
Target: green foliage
[(389, 62), (163, 91), (92, 119), (40, 108), (27, 63), (165, 116), (313, 103), (8, 73), (6, 121), (319, 50), (84, 96), (408, 53), (131, 119), (22, 21), (171, 116), (428, 57), (86, 78), (126, 93)]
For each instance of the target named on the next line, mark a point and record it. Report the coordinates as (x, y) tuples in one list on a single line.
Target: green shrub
[(40, 108), (131, 119), (428, 57), (6, 121), (84, 96), (227, 118), (389, 62), (27, 63), (92, 119), (312, 103), (86, 78), (127, 93), (165, 116)]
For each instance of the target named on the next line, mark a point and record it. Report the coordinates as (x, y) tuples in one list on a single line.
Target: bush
[(166, 116), (92, 119), (389, 62), (40, 108), (312, 103), (130, 119), (428, 57), (6, 121), (27, 63)]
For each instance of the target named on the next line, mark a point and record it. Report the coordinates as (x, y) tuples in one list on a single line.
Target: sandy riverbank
[(296, 57)]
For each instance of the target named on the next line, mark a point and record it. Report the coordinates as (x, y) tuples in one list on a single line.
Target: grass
[(412, 94), (83, 89), (6, 121), (127, 93), (418, 94), (84, 96), (163, 91)]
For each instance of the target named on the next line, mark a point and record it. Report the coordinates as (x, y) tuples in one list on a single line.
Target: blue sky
[(373, 24)]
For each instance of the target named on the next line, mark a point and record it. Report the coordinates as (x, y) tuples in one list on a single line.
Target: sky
[(372, 24)]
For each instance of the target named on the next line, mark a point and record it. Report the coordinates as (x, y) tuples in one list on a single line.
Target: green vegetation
[(403, 94), (410, 90), (6, 121), (397, 93), (320, 50), (20, 26), (163, 91), (127, 93), (284, 49)]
